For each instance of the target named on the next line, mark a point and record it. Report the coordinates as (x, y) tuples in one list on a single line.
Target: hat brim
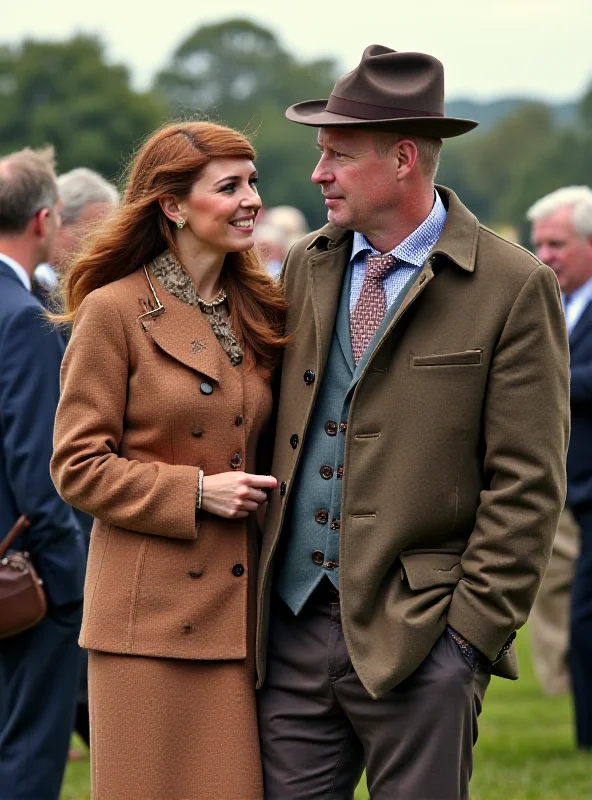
[(314, 114)]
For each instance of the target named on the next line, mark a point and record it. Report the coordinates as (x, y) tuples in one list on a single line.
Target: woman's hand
[(235, 494)]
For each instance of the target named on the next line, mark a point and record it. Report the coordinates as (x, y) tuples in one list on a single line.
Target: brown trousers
[(549, 618), (319, 726)]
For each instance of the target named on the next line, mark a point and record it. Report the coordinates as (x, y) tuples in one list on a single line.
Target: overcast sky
[(490, 48)]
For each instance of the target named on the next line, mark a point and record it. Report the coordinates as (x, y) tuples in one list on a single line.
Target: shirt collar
[(584, 293), (417, 246), (21, 272)]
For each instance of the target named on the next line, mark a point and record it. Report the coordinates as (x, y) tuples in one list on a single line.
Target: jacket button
[(195, 573), (322, 516), (309, 377), (238, 570), (206, 388), (198, 433), (318, 557), (330, 428), (335, 524), (326, 472), (294, 441), (236, 461), (239, 420), (283, 488)]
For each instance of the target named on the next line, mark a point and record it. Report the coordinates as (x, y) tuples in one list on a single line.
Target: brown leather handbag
[(22, 599)]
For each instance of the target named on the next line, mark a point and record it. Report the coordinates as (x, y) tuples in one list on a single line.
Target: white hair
[(579, 198), (79, 188)]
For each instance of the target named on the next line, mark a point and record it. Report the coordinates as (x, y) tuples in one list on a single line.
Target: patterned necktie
[(371, 306)]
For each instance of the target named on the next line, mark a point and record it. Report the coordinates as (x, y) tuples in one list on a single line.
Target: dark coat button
[(326, 472), (335, 525), (239, 420), (294, 441), (238, 570), (283, 488), (206, 388), (318, 557), (309, 377), (195, 573), (186, 628), (236, 461), (197, 432), (330, 428), (339, 473), (342, 427), (322, 516)]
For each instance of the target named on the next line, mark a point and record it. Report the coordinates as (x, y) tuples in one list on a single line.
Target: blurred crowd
[(43, 221)]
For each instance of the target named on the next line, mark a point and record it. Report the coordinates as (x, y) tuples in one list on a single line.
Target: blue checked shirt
[(410, 254)]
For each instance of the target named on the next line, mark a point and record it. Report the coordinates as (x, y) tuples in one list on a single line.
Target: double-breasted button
[(283, 488), (342, 427), (195, 573), (239, 420), (331, 565), (326, 472), (330, 428), (294, 441), (309, 377), (322, 516), (335, 524), (318, 557), (206, 388), (238, 570), (339, 473), (236, 461)]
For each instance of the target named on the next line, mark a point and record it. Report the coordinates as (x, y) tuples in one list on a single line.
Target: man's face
[(559, 246), (359, 186), (71, 234)]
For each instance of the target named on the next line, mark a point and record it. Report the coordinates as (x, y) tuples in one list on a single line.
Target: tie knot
[(377, 266)]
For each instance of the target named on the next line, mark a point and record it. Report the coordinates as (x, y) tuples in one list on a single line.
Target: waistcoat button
[(342, 427), (294, 441), (326, 472), (318, 557), (236, 461), (339, 473), (322, 516), (330, 428), (309, 377), (335, 525)]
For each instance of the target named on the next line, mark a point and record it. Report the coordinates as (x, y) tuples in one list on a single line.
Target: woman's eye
[(254, 182), (229, 187)]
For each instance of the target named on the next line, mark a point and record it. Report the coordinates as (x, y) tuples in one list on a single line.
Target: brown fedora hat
[(402, 92)]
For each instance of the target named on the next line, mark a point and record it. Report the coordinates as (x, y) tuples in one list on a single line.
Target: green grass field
[(525, 749)]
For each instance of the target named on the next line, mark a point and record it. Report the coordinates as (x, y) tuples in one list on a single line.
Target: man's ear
[(40, 223), (406, 153)]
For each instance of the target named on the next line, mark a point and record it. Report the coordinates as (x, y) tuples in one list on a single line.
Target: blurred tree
[(65, 94), (237, 72)]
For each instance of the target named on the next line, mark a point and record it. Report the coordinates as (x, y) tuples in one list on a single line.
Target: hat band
[(353, 108)]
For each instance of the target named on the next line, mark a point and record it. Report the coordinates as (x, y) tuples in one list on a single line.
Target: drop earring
[(180, 223)]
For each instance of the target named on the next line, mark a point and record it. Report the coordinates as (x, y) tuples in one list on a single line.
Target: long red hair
[(138, 231)]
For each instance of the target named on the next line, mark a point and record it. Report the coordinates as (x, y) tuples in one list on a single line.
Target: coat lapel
[(184, 333), (326, 276), (582, 326)]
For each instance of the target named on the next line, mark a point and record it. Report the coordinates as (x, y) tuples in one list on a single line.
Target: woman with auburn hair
[(165, 397)]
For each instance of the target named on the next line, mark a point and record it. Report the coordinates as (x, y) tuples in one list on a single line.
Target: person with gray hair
[(562, 238), (39, 667)]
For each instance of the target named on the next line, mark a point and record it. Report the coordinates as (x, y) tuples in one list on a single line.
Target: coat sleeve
[(526, 433), (148, 497), (29, 393)]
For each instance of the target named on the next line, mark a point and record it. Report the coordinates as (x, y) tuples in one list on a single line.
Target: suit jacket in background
[(30, 357), (454, 468), (579, 456)]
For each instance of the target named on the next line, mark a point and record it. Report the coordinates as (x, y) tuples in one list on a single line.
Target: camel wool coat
[(145, 402), (455, 447)]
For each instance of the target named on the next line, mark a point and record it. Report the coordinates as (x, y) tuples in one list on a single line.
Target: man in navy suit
[(38, 668), (562, 237)]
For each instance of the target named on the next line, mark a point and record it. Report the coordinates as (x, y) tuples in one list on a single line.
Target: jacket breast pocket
[(466, 358)]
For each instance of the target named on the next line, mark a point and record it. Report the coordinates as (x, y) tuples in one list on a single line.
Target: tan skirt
[(168, 729)]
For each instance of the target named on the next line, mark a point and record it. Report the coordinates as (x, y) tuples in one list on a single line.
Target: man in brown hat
[(420, 455)]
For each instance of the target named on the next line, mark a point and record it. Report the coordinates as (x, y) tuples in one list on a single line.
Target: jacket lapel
[(342, 322), (326, 276), (582, 326), (184, 333)]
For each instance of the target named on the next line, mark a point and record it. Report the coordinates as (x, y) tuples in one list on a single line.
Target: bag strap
[(20, 526)]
